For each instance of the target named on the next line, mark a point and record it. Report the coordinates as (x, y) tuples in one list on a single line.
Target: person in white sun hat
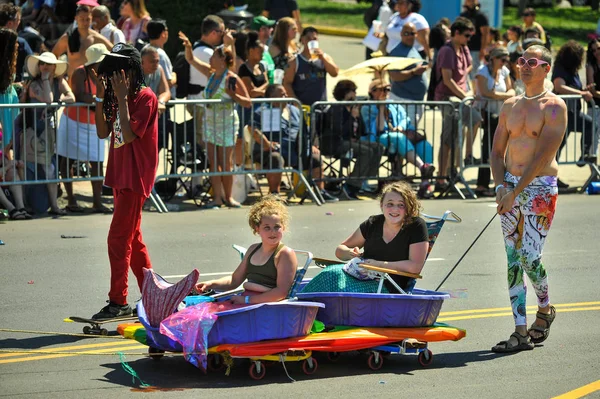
[(76, 136), (48, 85)]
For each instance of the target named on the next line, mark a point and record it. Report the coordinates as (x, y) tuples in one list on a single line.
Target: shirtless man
[(86, 37), (523, 161)]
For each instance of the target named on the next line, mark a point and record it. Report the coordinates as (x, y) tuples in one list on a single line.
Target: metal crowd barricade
[(355, 155), (191, 129), (573, 150), (53, 143)]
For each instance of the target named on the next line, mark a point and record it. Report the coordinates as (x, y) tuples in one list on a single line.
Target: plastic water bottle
[(594, 188), (385, 12)]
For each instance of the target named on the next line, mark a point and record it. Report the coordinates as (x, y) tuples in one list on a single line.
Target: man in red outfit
[(127, 111)]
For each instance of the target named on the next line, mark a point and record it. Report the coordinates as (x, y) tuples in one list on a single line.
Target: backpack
[(182, 70), (433, 82)]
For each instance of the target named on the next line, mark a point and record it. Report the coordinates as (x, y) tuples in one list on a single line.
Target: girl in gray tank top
[(269, 266)]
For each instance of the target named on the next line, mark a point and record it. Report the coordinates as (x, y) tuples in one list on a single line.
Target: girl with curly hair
[(396, 239), (270, 266)]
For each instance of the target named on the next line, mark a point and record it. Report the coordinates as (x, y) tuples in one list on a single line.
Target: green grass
[(561, 24), (329, 13)]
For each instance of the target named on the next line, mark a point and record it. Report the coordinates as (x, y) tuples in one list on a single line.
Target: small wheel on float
[(309, 366), (155, 354), (257, 370), (333, 356), (215, 363), (425, 358), (104, 332), (375, 361), (87, 330)]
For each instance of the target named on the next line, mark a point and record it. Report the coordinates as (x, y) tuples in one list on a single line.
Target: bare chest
[(525, 120), (86, 42)]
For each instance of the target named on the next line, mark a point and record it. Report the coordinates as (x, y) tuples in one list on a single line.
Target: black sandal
[(27, 215), (548, 318), (523, 344), (16, 214)]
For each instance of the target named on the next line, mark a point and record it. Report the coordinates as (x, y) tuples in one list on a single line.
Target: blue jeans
[(398, 143)]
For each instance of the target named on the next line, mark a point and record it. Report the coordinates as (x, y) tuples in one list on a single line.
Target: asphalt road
[(47, 278)]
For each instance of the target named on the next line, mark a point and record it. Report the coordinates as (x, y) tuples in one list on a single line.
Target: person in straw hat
[(76, 135), (48, 85)]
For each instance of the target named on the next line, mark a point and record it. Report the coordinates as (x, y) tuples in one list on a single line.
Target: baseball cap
[(89, 3), (260, 21), (118, 58)]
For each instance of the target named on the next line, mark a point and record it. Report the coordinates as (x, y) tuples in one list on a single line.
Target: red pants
[(125, 245)]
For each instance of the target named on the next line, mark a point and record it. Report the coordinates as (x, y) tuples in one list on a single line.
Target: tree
[(522, 7), (187, 16)]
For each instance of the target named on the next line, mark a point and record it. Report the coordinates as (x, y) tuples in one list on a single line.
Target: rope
[(131, 371), (48, 352), (466, 252), (10, 330), (282, 360)]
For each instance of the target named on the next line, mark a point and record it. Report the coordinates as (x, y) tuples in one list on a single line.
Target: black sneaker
[(427, 171), (328, 197), (471, 161), (113, 310), (423, 192), (440, 187)]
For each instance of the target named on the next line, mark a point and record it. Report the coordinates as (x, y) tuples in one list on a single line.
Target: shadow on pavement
[(38, 342), (173, 373)]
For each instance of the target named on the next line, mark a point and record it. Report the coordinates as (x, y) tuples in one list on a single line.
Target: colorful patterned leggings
[(525, 228)]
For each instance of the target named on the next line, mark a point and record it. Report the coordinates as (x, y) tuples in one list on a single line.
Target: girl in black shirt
[(396, 239), (252, 71)]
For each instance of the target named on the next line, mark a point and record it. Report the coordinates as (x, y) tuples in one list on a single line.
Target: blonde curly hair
[(269, 205), (412, 203)]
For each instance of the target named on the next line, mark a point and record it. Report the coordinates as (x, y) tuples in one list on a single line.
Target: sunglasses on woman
[(531, 63)]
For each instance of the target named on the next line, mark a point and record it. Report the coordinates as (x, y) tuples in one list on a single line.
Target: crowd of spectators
[(60, 42)]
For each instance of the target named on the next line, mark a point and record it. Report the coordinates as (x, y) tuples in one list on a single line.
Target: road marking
[(231, 272), (580, 392), (563, 305), (55, 356), (66, 348), (483, 316), (457, 315)]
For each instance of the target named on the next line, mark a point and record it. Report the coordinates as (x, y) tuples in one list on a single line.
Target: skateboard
[(95, 326)]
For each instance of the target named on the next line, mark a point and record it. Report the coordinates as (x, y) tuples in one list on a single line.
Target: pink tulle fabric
[(191, 326)]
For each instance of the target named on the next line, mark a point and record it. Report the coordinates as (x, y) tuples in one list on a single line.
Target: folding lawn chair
[(300, 272), (434, 226)]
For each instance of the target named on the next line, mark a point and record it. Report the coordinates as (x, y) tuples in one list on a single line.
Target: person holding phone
[(221, 121), (409, 84)]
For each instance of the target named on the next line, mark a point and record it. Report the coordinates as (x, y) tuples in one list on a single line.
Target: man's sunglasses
[(467, 35), (409, 34), (528, 15), (531, 63)]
